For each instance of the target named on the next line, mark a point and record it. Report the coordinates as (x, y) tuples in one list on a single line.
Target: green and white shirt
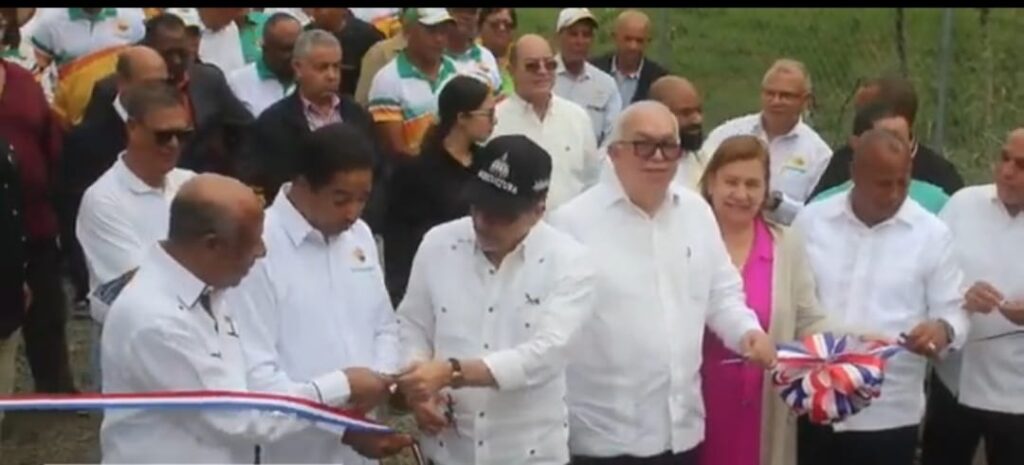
[(402, 93), (66, 34), (257, 87)]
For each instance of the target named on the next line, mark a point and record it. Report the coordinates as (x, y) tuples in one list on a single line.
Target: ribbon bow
[(830, 377)]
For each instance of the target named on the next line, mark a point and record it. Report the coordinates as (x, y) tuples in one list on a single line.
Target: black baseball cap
[(512, 174)]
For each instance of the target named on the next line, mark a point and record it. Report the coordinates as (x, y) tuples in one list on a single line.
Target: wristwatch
[(950, 333), (457, 377)]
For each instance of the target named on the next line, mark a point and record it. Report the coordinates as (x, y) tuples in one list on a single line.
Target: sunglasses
[(550, 65), (164, 136), (646, 149)]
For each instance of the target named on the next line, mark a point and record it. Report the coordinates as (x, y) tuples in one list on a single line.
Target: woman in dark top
[(427, 190)]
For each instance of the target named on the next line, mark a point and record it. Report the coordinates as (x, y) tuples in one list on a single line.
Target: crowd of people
[(532, 249)]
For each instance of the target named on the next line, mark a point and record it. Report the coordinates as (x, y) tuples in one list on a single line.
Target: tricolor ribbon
[(830, 378), (198, 400)]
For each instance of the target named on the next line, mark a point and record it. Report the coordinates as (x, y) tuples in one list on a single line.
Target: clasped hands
[(369, 389)]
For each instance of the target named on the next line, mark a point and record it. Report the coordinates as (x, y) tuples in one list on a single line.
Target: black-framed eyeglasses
[(164, 136), (646, 149), (549, 65)]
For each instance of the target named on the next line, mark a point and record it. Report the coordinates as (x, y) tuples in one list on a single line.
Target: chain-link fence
[(965, 64)]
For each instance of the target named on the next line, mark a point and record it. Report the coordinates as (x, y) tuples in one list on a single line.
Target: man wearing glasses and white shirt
[(977, 393), (884, 263), (799, 156), (663, 272), (492, 303), (558, 125), (316, 303)]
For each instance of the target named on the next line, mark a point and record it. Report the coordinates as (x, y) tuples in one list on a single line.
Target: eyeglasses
[(163, 137), (549, 65), (500, 24), (646, 149)]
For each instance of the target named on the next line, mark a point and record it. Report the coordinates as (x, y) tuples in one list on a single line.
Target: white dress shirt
[(798, 158), (885, 280), (566, 135), (519, 319), (158, 337), (312, 307), (222, 48), (595, 91), (634, 373), (988, 373), (119, 219)]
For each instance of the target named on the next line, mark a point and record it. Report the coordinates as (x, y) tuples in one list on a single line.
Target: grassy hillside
[(725, 52)]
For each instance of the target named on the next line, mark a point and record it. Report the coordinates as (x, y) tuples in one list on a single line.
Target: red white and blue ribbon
[(198, 400), (831, 377)]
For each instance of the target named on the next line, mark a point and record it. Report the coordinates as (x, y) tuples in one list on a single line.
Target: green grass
[(725, 52)]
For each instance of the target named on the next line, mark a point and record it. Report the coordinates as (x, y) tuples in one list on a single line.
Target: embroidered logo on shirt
[(231, 326), (532, 300), (797, 163)]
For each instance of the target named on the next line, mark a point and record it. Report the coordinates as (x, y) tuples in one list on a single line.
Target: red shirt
[(30, 126)]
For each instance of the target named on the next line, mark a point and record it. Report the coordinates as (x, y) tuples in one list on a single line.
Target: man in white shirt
[(578, 80), (977, 393), (221, 42), (271, 78), (493, 301), (561, 127), (317, 302), (126, 210), (171, 329), (469, 56), (685, 102), (663, 271), (884, 263), (798, 154)]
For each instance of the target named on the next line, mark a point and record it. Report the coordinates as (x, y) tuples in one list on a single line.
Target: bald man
[(171, 329), (633, 71), (682, 98), (560, 126), (885, 264), (976, 394), (653, 372), (798, 155)]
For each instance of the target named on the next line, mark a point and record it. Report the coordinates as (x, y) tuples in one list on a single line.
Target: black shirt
[(424, 192), (12, 244), (929, 167), (356, 38)]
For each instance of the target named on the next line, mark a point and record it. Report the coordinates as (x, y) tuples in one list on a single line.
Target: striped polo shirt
[(402, 93)]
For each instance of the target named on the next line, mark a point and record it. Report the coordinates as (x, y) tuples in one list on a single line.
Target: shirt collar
[(758, 127), (845, 211), (265, 74), (473, 54), (183, 283), (134, 184), (407, 70), (119, 108), (527, 107), (584, 75), (77, 14), (295, 225), (612, 193), (634, 74), (310, 107)]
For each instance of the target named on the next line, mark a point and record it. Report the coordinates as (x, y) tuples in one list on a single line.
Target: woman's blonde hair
[(732, 150)]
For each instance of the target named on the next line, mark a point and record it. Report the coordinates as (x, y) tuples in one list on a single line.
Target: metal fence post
[(945, 56)]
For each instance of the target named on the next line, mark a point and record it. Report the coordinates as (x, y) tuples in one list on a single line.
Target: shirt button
[(481, 414), (440, 443), (532, 452), (490, 309), (480, 443), (444, 310), (527, 325), (491, 271), (487, 346)]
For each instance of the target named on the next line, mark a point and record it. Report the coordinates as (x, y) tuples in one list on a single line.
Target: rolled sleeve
[(332, 388), (507, 369), (944, 285)]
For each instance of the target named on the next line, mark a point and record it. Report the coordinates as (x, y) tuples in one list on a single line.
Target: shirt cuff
[(332, 388), (507, 369)]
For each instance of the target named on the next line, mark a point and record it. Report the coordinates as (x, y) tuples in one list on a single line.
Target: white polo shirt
[(65, 34), (565, 133), (886, 279), (634, 372), (158, 338), (594, 90), (310, 307), (988, 373), (518, 318), (798, 158), (257, 87), (119, 219), (222, 48)]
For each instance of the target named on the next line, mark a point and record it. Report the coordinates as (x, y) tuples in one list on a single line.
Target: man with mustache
[(685, 102)]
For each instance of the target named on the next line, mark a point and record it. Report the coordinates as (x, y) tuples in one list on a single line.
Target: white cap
[(429, 16), (569, 16), (189, 15)]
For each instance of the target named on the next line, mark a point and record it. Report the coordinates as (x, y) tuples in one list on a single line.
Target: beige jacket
[(379, 55), (795, 313)]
